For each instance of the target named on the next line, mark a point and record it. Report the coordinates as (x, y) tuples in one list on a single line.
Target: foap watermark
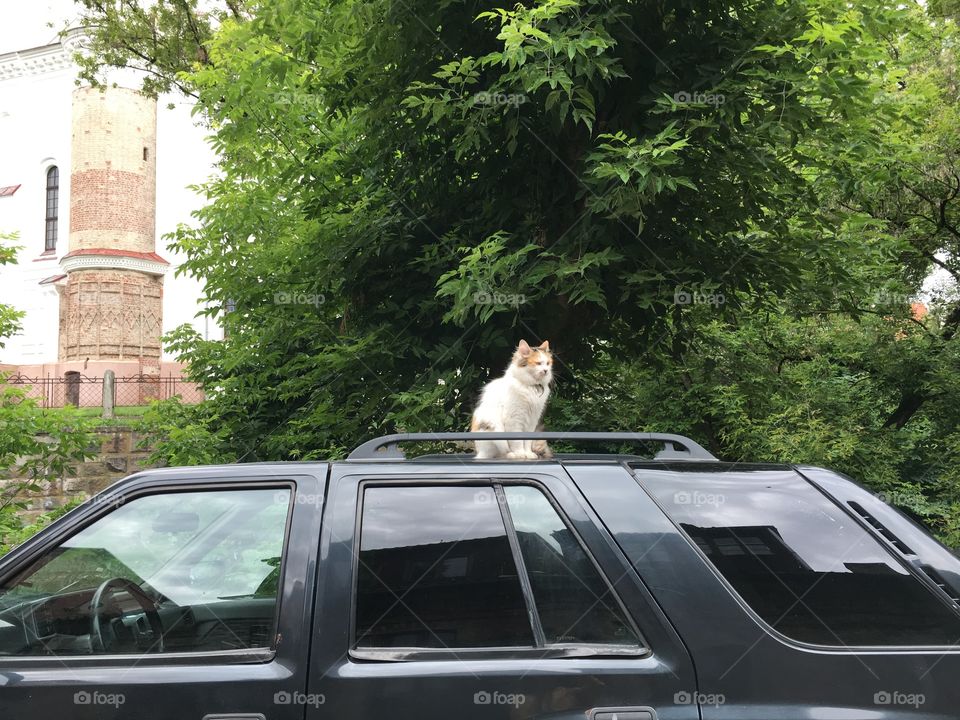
[(300, 99), (697, 498), (111, 501), (888, 298), (895, 697), (494, 99), (488, 497), (699, 98), (684, 697), (299, 298), (697, 296), (282, 496), (885, 97), (486, 697), (298, 698), (498, 298), (85, 697), (893, 497)]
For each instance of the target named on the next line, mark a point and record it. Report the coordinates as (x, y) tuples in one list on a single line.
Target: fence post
[(72, 379), (109, 393)]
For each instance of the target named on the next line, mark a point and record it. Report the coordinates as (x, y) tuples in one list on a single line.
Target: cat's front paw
[(522, 455)]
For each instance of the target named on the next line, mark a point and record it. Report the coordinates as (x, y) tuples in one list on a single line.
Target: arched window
[(53, 202)]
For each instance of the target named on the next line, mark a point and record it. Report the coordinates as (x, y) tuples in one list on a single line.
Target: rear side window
[(800, 562), (468, 567), (573, 601)]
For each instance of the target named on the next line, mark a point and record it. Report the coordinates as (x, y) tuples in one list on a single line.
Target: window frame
[(636, 470), (104, 506), (540, 650), (55, 217)]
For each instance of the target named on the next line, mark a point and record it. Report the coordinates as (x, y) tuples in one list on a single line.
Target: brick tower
[(111, 307)]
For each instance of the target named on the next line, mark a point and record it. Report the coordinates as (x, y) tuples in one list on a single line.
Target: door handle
[(235, 716), (627, 713)]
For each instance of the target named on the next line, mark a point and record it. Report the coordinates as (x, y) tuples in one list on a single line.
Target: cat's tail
[(540, 447)]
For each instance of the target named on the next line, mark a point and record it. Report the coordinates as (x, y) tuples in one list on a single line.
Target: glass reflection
[(436, 571), (805, 566), (574, 602)]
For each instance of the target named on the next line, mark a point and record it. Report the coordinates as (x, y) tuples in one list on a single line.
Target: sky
[(26, 24)]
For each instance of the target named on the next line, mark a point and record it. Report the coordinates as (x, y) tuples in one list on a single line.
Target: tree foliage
[(158, 39), (717, 214), (9, 317), (37, 446)]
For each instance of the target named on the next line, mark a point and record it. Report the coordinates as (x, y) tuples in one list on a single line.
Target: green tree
[(717, 215), (161, 39), (406, 188), (9, 317), (37, 446)]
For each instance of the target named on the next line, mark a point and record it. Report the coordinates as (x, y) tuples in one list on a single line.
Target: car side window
[(436, 571), (802, 564), (468, 567), (174, 572), (575, 604)]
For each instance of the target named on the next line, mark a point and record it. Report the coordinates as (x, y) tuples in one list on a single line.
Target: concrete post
[(109, 393), (72, 381)]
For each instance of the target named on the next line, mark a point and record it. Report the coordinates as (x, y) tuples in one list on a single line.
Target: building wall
[(119, 452), (35, 112), (113, 170), (111, 314), (36, 125)]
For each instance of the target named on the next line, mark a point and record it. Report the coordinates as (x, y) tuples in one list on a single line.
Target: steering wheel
[(102, 635)]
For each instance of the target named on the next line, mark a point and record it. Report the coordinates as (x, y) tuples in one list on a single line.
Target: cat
[(515, 402)]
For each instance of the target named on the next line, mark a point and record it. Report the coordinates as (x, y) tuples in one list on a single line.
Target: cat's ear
[(545, 345), (523, 348)]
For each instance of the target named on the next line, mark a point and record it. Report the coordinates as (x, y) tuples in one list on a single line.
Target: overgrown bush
[(37, 446)]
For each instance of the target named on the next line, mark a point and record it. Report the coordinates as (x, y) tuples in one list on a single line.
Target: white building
[(42, 139)]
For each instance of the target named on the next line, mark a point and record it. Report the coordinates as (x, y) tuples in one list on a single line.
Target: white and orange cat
[(515, 402)]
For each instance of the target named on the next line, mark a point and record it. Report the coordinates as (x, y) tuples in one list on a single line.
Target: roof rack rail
[(675, 447)]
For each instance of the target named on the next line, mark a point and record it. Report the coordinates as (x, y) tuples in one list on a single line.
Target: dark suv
[(595, 586)]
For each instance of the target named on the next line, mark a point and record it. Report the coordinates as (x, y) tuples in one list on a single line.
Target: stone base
[(118, 455)]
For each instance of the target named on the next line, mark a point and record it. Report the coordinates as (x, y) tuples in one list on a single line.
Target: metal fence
[(82, 391)]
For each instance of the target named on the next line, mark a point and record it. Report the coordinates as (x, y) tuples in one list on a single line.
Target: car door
[(791, 607), (173, 594), (454, 591)]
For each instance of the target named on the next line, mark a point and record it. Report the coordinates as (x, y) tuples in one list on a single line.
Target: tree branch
[(203, 56)]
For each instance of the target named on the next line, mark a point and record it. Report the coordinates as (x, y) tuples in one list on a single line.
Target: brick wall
[(111, 314), (111, 208), (114, 170), (117, 456)]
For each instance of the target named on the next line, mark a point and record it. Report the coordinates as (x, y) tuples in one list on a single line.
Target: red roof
[(8, 190), (117, 253)]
